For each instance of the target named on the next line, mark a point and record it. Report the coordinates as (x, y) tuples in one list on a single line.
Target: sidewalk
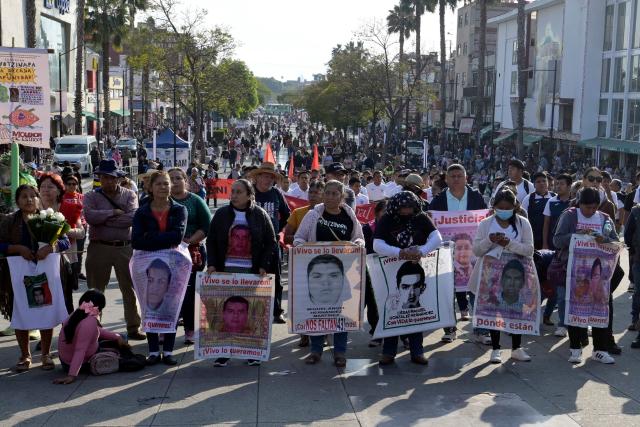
[(458, 388)]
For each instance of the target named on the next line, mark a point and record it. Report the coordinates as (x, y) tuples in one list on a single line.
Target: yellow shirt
[(296, 216)]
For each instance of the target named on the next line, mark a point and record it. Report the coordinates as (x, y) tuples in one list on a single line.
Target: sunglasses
[(592, 178)]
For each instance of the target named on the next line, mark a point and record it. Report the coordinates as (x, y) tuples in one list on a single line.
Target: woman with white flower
[(16, 239)]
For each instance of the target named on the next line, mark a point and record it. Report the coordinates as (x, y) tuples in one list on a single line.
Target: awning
[(485, 130), (530, 139), (121, 113), (503, 137), (89, 115), (629, 147)]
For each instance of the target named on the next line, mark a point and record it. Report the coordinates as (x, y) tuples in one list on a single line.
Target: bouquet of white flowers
[(47, 226)]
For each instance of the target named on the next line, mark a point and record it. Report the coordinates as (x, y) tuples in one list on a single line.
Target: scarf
[(404, 199)]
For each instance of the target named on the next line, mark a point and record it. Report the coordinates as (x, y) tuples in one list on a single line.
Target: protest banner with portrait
[(412, 296), (589, 271), (160, 281), (326, 288), (508, 297), (233, 315), (38, 300), (460, 228)]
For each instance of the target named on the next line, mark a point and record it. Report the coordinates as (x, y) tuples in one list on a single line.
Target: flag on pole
[(425, 155), (315, 163), (268, 154), (291, 168)]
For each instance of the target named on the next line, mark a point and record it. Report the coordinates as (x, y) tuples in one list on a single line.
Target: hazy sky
[(287, 39)]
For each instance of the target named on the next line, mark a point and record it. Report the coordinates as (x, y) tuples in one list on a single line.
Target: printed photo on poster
[(412, 297), (37, 288), (326, 283), (160, 281), (233, 315), (460, 228), (508, 296), (589, 272)]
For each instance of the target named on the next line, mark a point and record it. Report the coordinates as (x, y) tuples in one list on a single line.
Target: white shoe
[(450, 337), (589, 331), (521, 355), (496, 356), (464, 315), (482, 339), (576, 355), (603, 357), (561, 332)]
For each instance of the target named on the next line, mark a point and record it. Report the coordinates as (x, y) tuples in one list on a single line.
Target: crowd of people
[(533, 216)]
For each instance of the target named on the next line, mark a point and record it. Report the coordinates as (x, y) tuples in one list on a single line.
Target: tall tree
[(442, 7), (134, 6), (400, 21), (105, 25), (522, 74), (77, 99)]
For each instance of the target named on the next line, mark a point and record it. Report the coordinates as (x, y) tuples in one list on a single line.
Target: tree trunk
[(105, 89), (78, 93), (132, 13), (443, 72), (481, 69), (30, 9), (419, 12), (522, 75)]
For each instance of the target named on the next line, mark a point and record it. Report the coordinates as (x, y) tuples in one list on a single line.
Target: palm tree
[(443, 64), (522, 74), (400, 20), (134, 6), (105, 24), (77, 100)]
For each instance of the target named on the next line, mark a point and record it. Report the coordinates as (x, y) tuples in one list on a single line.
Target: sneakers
[(496, 356), (386, 360), (220, 362), (254, 362), (464, 315), (547, 321), (34, 335), (449, 337), (576, 355), (188, 337), (589, 331), (420, 360), (482, 339), (560, 332), (603, 357), (521, 355), (280, 319)]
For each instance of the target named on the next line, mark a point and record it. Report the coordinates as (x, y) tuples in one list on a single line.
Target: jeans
[(561, 301), (635, 301), (154, 342), (390, 345), (516, 340), (339, 343), (463, 303), (551, 304)]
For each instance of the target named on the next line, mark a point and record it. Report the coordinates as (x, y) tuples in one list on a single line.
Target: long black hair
[(508, 196), (93, 296)]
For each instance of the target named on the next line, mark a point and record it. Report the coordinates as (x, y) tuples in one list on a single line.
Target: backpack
[(104, 362)]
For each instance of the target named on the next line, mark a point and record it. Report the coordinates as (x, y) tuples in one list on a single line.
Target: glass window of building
[(636, 26), (617, 115), (634, 83), (603, 110), (53, 35), (622, 31), (608, 28), (633, 120), (602, 129), (620, 74), (604, 78), (514, 55), (514, 82)]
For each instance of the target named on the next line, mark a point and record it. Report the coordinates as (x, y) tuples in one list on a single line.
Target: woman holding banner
[(241, 239), (16, 240), (198, 221), (405, 231), (504, 232), (331, 221), (586, 219), (159, 224)]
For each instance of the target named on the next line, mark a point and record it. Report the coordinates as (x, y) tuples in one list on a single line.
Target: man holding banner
[(456, 198)]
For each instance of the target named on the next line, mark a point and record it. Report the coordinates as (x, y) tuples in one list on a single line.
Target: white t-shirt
[(375, 192), (525, 202), (392, 189), (594, 223), (547, 209), (522, 190), (361, 199), (508, 232)]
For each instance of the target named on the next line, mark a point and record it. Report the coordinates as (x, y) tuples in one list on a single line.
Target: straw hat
[(413, 181), (265, 167)]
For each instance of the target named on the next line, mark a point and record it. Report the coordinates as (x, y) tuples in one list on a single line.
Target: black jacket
[(146, 234), (263, 238), (474, 201)]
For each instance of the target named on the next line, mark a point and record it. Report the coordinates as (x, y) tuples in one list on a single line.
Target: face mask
[(504, 215)]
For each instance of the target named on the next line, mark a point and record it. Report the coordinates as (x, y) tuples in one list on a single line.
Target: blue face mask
[(503, 214)]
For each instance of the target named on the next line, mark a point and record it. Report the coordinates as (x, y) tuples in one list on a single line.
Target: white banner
[(166, 157), (25, 108), (233, 315), (160, 281), (38, 300), (326, 288), (412, 297)]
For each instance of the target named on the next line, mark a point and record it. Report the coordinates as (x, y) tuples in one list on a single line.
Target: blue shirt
[(455, 204)]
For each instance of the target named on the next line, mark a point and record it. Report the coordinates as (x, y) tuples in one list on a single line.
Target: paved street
[(458, 388)]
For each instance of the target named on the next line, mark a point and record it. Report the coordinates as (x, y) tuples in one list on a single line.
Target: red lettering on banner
[(220, 187), (365, 213)]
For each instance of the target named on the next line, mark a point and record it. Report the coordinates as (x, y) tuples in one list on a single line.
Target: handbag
[(105, 362), (557, 271)]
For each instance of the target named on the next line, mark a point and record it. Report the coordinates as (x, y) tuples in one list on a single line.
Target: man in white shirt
[(515, 171), (355, 185), (375, 189), (534, 205), (301, 191)]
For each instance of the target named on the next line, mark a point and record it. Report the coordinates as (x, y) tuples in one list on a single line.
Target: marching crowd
[(532, 216)]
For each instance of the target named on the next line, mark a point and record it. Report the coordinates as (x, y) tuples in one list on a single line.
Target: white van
[(76, 149)]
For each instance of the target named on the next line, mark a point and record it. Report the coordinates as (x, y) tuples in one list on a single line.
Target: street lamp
[(60, 86)]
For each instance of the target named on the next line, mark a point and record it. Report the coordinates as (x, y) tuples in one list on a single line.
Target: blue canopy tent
[(164, 149)]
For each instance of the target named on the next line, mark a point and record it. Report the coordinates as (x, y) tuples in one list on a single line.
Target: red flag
[(268, 154), (315, 164), (291, 168), (295, 203)]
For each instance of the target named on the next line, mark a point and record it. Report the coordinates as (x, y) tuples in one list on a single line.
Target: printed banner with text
[(326, 288), (508, 296), (460, 228), (589, 271), (411, 296), (233, 315), (160, 281)]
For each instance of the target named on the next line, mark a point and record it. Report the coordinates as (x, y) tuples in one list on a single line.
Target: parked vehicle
[(76, 149)]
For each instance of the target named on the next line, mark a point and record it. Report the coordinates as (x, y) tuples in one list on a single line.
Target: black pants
[(516, 340), (579, 335), (187, 312), (370, 304), (277, 299), (463, 302)]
